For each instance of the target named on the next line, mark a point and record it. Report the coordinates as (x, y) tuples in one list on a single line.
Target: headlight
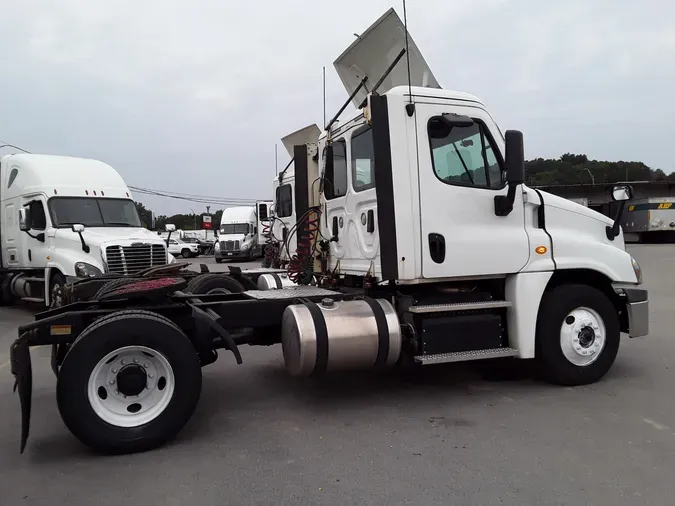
[(245, 246), (637, 270), (85, 270)]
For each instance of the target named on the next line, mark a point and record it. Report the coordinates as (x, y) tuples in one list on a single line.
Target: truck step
[(464, 356), (459, 306), (32, 299)]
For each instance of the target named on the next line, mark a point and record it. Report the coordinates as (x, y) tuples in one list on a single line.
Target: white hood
[(564, 204)]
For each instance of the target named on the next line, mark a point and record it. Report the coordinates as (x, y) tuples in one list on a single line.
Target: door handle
[(335, 228), (437, 248), (371, 222)]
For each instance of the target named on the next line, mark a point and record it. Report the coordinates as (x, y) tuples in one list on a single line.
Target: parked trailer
[(650, 217), (418, 243)]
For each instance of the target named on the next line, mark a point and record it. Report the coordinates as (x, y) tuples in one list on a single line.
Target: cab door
[(460, 174)]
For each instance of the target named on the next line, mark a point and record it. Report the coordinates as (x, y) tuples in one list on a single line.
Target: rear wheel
[(578, 334), (209, 283), (129, 383)]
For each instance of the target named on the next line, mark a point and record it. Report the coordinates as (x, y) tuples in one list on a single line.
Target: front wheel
[(130, 382), (219, 260), (578, 334), (186, 253), (56, 290)]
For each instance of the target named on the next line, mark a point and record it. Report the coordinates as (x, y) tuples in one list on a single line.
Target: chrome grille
[(134, 258), (229, 245)]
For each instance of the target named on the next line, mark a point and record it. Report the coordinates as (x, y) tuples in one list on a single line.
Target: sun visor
[(307, 135), (372, 53)]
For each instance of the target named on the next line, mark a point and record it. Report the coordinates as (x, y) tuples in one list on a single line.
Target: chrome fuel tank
[(338, 335)]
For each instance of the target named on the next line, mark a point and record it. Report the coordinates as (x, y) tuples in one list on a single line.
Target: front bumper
[(231, 254), (637, 309)]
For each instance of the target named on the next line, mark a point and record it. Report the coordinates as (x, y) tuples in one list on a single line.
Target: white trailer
[(63, 219)]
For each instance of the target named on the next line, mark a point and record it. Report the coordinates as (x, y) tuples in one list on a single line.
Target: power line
[(202, 199)]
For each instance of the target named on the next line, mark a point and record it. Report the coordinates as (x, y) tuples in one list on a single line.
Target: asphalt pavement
[(446, 434)]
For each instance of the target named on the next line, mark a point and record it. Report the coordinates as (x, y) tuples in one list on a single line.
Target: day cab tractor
[(417, 243)]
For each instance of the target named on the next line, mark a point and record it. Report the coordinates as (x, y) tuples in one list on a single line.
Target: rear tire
[(205, 283), (93, 408), (578, 335), (219, 260)]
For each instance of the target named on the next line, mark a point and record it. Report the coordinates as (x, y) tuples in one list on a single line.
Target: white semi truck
[(240, 235), (63, 219), (417, 243)]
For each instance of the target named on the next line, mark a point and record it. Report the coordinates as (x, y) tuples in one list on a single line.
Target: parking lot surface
[(444, 435)]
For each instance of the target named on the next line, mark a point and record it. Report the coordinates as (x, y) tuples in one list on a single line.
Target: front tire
[(56, 290), (186, 253), (129, 383), (578, 335), (219, 260)]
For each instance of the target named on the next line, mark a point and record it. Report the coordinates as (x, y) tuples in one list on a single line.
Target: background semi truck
[(241, 232), (63, 219), (418, 243)]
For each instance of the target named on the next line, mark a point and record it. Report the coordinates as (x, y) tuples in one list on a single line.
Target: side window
[(262, 212), (464, 155), (38, 218), (12, 176), (363, 160), (284, 201), (338, 186)]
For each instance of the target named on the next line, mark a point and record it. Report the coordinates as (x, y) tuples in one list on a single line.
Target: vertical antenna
[(276, 165), (324, 95), (410, 108)]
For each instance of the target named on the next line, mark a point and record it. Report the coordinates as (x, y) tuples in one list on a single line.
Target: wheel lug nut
[(576, 339), (124, 361), (146, 365), (135, 361), (595, 327), (112, 382), (149, 375), (114, 371)]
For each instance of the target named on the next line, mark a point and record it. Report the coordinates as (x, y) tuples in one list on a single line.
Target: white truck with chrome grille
[(62, 219)]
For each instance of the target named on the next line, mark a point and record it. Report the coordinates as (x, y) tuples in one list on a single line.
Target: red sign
[(206, 223)]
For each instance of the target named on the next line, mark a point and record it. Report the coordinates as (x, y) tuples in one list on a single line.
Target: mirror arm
[(168, 238), (613, 231)]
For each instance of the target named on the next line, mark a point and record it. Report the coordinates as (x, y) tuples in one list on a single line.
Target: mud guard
[(23, 382)]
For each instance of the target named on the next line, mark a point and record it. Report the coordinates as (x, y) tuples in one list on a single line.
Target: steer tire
[(76, 385), (556, 306), (203, 284), (219, 260)]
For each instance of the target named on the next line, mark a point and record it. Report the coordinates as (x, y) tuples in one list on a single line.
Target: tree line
[(568, 169)]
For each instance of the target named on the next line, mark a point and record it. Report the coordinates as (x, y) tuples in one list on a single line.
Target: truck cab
[(63, 219), (238, 235)]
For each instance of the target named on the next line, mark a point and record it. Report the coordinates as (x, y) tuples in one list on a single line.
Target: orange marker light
[(541, 250)]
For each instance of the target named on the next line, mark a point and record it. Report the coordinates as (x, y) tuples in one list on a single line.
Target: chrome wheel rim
[(583, 336)]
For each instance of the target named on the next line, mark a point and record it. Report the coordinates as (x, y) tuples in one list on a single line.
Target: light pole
[(195, 218), (590, 174)]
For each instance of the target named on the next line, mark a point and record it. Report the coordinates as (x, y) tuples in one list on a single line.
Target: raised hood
[(372, 53), (306, 135)]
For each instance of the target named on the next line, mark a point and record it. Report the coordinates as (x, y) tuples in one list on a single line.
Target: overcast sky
[(193, 97)]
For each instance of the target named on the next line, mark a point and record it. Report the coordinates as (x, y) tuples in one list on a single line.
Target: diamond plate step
[(459, 306), (464, 356)]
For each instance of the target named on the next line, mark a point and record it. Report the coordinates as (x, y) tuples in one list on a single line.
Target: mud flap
[(23, 382)]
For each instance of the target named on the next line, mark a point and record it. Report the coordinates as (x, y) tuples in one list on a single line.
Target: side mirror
[(24, 219), (515, 157), (78, 228), (152, 220), (515, 171), (170, 227), (622, 193)]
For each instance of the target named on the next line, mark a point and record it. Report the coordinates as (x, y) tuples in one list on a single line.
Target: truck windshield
[(234, 228), (93, 212)]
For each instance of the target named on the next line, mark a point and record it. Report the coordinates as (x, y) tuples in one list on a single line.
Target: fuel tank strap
[(321, 338), (382, 332)]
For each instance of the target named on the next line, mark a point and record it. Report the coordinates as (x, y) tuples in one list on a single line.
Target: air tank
[(274, 281)]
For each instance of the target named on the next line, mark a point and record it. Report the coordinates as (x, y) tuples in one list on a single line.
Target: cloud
[(193, 97)]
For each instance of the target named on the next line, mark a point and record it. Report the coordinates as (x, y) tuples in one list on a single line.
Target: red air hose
[(298, 264)]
